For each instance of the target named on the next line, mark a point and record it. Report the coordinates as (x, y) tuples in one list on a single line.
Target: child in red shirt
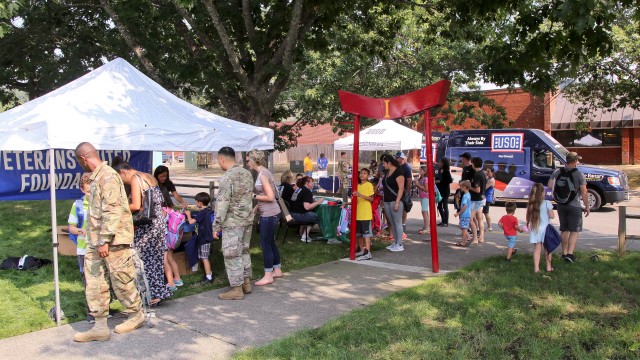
[(509, 224)]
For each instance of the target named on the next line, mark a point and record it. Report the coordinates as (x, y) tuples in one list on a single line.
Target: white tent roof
[(116, 107), (588, 140), (385, 135)]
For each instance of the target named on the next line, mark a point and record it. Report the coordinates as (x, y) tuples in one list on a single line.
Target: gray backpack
[(564, 190)]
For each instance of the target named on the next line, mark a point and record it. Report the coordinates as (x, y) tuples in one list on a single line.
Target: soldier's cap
[(466, 155), (573, 156), (227, 151)]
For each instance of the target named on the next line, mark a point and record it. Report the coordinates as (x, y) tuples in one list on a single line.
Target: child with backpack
[(175, 223), (78, 221), (205, 234), (509, 224), (539, 214)]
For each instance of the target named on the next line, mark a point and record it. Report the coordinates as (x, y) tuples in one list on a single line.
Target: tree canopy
[(264, 61)]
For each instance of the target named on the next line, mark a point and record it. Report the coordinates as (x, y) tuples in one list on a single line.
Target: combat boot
[(99, 332), (246, 286), (133, 322), (234, 294)]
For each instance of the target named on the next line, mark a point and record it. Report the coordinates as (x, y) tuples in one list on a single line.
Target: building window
[(593, 138)]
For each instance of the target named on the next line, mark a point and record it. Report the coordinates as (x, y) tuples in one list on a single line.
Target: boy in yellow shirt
[(364, 214)]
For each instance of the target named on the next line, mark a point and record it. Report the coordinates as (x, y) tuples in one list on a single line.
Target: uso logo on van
[(507, 142)]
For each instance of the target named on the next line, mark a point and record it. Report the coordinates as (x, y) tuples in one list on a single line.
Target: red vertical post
[(354, 183), (432, 193)]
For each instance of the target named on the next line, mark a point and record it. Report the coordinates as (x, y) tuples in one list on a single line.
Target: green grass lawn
[(489, 310), (27, 296)]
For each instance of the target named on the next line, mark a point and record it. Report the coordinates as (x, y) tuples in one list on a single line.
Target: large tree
[(403, 52), (610, 82), (232, 56)]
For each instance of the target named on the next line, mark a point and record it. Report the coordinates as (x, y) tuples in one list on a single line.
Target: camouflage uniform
[(235, 219), (343, 173), (109, 222)]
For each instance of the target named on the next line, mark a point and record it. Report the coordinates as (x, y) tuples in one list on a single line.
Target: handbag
[(438, 195), (147, 213), (406, 199), (283, 206)]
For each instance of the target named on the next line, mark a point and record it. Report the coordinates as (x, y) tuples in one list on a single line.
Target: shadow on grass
[(490, 309), (28, 295)]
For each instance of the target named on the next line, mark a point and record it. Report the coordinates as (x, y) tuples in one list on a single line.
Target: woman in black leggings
[(443, 182)]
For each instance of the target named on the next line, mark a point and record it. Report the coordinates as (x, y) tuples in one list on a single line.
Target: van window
[(543, 159)]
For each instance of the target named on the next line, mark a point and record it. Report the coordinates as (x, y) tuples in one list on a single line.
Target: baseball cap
[(400, 154), (466, 155), (573, 156)]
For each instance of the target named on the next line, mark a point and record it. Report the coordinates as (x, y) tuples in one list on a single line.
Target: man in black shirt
[(478, 184)]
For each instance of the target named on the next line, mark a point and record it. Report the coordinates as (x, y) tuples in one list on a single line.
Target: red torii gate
[(424, 99)]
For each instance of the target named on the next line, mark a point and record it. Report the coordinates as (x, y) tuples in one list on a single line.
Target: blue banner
[(24, 175)]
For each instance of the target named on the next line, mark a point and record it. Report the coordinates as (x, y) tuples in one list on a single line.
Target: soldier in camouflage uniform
[(109, 238), (343, 174), (234, 217)]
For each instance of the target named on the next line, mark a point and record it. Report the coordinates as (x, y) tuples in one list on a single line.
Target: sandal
[(422, 231)]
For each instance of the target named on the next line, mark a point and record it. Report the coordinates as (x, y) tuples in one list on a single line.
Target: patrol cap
[(573, 156), (401, 155), (466, 155)]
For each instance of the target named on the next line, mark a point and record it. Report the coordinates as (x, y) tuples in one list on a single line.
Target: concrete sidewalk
[(203, 327)]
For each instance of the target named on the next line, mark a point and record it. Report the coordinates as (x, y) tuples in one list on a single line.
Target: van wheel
[(595, 200)]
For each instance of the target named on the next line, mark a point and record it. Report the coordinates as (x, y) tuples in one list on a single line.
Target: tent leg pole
[(54, 230), (333, 178)]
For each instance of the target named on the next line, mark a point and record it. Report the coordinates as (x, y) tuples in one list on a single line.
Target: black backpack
[(26, 262), (564, 190)]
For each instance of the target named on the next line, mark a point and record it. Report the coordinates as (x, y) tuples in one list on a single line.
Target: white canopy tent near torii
[(385, 135), (116, 107)]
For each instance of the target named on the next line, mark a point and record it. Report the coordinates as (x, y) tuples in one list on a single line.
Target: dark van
[(522, 157)]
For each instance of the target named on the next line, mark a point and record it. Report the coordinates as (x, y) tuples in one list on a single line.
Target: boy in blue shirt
[(78, 221), (464, 213), (205, 233)]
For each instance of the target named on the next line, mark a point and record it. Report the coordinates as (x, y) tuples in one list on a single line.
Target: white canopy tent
[(588, 140), (116, 107), (385, 135)]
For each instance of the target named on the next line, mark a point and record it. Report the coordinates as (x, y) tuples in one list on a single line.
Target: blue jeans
[(268, 242), (309, 216)]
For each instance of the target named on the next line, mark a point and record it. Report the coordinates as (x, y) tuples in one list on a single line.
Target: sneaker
[(397, 248), (172, 288), (334, 242), (194, 268), (571, 258), (366, 256), (391, 246), (303, 239), (205, 281), (404, 236), (508, 260), (178, 282), (360, 253), (563, 256)]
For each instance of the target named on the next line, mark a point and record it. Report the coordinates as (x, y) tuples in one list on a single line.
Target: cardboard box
[(66, 247)]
